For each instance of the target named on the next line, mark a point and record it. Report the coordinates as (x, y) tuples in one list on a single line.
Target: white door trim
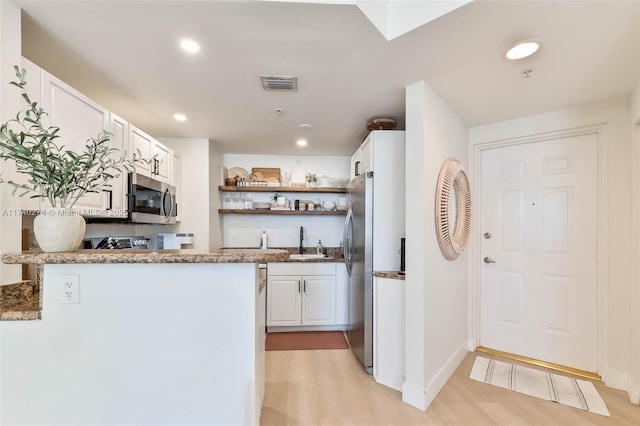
[(600, 130)]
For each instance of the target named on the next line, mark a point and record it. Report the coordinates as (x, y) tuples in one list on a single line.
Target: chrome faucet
[(301, 249)]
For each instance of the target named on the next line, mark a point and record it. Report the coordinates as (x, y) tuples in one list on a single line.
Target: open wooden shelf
[(284, 212), (282, 189)]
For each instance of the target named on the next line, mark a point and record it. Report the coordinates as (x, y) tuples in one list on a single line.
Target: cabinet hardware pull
[(298, 286), (304, 286), (110, 192)]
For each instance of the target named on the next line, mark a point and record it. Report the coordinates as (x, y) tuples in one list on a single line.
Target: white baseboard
[(471, 344), (622, 381), (633, 390), (422, 398), (615, 379), (413, 395)]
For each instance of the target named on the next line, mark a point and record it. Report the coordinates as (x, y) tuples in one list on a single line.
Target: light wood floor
[(329, 388)]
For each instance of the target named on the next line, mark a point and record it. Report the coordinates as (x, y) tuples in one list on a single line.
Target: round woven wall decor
[(453, 209)]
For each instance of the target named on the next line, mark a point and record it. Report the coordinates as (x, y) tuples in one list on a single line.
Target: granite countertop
[(389, 274), (21, 301), (149, 256)]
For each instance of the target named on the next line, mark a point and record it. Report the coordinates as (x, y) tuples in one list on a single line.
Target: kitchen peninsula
[(149, 338)]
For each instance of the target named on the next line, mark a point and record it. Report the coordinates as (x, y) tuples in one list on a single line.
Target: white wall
[(436, 289), (10, 43), (634, 299), (215, 225), (196, 181), (615, 115), (284, 231), (10, 103)]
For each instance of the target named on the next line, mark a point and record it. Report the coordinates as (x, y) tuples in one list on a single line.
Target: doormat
[(552, 387), (301, 340)]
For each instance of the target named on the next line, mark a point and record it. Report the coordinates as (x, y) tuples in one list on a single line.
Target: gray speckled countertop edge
[(389, 274), (148, 256)]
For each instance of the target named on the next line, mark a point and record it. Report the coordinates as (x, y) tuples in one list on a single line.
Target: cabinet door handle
[(110, 192), (298, 286), (357, 171), (304, 286)]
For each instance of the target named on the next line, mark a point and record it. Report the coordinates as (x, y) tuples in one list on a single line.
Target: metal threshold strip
[(539, 363)]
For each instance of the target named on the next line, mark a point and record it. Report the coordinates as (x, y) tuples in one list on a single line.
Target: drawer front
[(300, 268)]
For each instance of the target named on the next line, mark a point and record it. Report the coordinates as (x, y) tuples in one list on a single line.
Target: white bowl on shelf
[(329, 205)]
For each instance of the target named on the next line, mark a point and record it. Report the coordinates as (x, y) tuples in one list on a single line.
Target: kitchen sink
[(308, 256)]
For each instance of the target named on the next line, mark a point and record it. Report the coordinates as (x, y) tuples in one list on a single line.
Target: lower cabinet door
[(283, 300), (318, 300)]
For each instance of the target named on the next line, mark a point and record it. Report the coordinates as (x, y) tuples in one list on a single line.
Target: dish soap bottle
[(320, 248), (263, 240)]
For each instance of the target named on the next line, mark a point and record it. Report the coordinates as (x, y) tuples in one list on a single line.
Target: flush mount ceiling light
[(301, 142), (189, 46), (179, 117), (523, 49)]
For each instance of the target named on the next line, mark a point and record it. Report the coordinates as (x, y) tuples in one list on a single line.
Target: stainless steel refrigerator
[(373, 229), (358, 244)]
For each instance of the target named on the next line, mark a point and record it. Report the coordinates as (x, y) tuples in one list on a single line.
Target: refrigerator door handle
[(347, 242)]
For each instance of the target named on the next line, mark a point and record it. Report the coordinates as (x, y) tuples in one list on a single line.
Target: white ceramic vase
[(59, 229)]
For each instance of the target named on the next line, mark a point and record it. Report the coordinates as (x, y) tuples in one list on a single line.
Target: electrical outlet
[(234, 238), (71, 287)]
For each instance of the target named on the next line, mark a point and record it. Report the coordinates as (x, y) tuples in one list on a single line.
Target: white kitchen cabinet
[(301, 294), (388, 331), (318, 300), (362, 160), (284, 301), (79, 118), (143, 145)]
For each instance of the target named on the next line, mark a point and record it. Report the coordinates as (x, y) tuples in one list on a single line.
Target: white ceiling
[(125, 55)]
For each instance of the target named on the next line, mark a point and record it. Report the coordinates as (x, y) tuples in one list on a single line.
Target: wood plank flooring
[(328, 388)]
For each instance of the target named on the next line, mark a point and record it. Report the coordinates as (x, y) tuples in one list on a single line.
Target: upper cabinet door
[(79, 118), (163, 162), (362, 160), (140, 145), (120, 141)]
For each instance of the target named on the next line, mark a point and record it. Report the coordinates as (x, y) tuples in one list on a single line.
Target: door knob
[(489, 260)]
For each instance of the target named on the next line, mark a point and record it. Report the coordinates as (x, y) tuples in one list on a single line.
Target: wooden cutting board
[(270, 174)]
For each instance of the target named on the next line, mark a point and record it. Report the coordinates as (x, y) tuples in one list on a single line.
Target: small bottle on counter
[(320, 248), (263, 240)]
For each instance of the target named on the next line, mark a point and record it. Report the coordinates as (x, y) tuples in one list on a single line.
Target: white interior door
[(539, 226)]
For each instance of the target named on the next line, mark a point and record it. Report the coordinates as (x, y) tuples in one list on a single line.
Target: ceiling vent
[(287, 84)]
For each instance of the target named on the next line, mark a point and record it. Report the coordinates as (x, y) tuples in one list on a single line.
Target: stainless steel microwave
[(150, 201)]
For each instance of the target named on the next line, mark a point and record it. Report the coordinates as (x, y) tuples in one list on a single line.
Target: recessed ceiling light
[(180, 117), (523, 49), (301, 142), (189, 46), (305, 126)]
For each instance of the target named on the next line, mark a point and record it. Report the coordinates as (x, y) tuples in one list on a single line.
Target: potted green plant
[(311, 179), (58, 175)]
